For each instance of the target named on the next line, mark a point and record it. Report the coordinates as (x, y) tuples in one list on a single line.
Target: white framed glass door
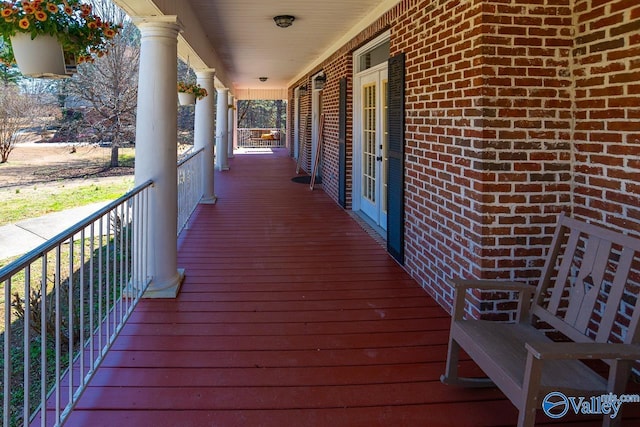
[(373, 142)]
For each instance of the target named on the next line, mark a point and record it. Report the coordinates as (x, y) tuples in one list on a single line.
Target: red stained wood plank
[(275, 358), (163, 313)]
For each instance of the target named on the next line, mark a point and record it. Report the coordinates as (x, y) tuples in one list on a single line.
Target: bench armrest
[(574, 350), (461, 285)]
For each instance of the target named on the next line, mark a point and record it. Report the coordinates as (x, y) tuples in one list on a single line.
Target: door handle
[(379, 158)]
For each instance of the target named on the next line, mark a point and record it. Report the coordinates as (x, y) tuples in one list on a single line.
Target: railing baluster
[(91, 291), (107, 280), (56, 284), (100, 278), (81, 304), (7, 352), (43, 340), (121, 272), (71, 324), (27, 343)]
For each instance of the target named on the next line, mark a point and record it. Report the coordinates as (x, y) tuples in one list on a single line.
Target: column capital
[(222, 89), (168, 23), (206, 73)]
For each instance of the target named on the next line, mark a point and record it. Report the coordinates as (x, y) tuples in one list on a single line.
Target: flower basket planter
[(186, 98), (40, 57)]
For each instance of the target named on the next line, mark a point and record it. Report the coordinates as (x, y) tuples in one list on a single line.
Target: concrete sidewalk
[(24, 236)]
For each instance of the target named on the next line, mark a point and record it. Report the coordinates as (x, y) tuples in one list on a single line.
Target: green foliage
[(9, 74), (262, 114)]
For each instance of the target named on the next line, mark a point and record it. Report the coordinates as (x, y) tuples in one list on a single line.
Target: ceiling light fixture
[(284, 21), (263, 79)]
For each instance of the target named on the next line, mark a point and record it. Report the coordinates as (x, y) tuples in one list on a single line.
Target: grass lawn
[(39, 200)]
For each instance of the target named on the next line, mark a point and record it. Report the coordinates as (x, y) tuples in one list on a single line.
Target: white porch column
[(221, 130), (204, 133), (232, 131), (156, 150)]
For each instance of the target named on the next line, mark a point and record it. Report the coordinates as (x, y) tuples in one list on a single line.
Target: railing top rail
[(47, 246), (190, 156)]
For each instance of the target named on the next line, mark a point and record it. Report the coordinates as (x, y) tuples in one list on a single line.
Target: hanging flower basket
[(40, 57), (186, 98), (81, 35), (189, 92)]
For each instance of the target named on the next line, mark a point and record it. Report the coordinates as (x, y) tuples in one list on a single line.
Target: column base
[(209, 200), (168, 289)]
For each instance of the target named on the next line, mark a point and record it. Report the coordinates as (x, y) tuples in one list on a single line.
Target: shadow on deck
[(290, 314)]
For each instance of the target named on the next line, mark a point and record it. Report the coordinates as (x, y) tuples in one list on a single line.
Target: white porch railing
[(261, 137), (189, 186), (64, 304)]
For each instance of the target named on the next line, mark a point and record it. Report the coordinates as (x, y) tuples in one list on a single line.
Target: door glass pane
[(369, 142), (374, 56)]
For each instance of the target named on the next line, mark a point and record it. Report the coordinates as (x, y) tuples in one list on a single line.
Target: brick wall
[(515, 111), (606, 65)]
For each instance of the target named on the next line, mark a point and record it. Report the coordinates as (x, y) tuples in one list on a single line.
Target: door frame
[(316, 111), (357, 117), (296, 123)]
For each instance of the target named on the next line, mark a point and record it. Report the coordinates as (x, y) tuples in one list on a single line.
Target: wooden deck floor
[(290, 315)]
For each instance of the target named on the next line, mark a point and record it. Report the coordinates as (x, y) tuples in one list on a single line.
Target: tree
[(20, 109), (110, 85), (261, 114)]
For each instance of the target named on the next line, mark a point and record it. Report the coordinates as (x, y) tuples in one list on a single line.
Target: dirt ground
[(48, 164)]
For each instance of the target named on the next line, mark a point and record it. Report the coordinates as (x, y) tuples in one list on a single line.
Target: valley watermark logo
[(557, 405)]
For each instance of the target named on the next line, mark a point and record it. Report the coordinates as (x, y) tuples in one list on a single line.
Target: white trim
[(316, 96), (376, 13), (384, 37), (296, 123)]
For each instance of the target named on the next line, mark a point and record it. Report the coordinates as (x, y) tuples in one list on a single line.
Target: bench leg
[(451, 377), (530, 389)]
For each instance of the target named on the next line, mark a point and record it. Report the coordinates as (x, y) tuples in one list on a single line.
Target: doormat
[(306, 179)]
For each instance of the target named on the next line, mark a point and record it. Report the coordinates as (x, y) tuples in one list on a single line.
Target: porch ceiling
[(240, 39)]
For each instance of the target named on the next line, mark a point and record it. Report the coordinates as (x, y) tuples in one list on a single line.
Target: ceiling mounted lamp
[(284, 21), (263, 79)]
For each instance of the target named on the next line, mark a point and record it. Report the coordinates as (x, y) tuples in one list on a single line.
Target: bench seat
[(499, 350)]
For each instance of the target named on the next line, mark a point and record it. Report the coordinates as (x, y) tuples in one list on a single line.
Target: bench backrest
[(587, 290)]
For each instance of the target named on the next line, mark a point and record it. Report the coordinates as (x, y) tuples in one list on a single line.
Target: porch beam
[(204, 132), (156, 154)]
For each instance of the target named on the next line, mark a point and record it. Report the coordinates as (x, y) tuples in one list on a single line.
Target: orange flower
[(109, 33), (52, 7), (41, 16), (29, 10), (68, 10), (6, 12), (92, 25), (24, 23)]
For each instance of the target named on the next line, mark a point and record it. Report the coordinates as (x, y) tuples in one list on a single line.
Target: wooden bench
[(584, 284)]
